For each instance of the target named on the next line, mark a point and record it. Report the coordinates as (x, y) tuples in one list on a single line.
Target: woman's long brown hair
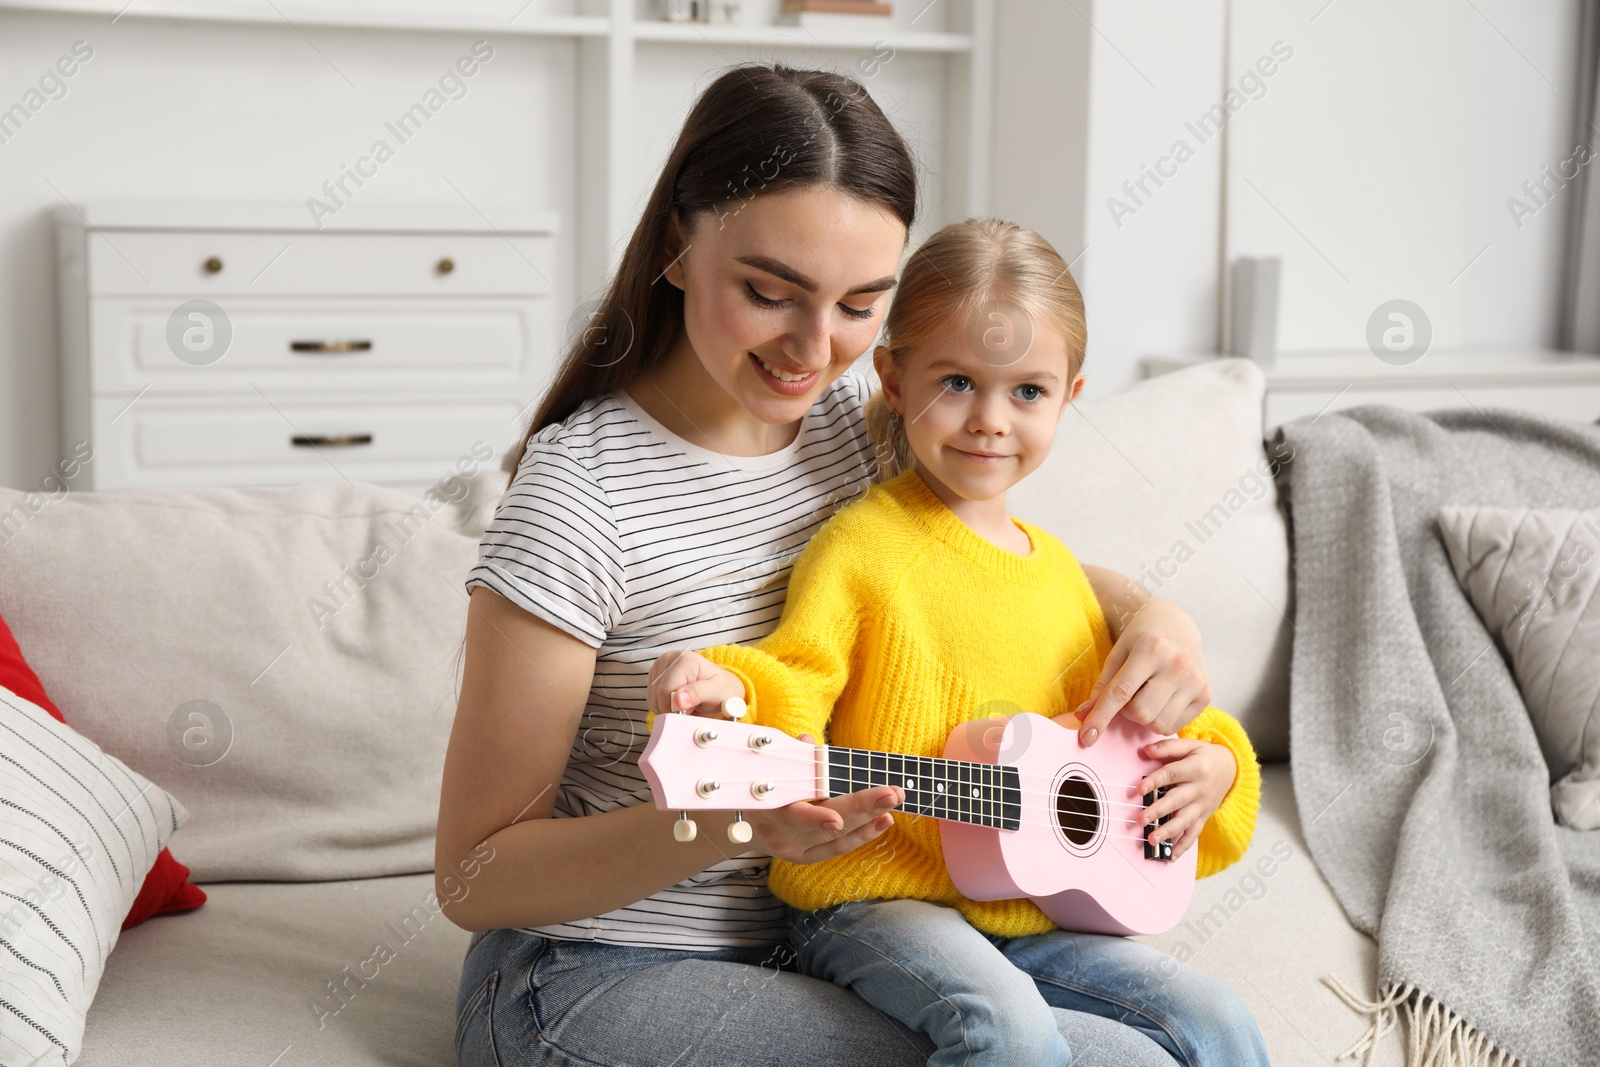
[(755, 129)]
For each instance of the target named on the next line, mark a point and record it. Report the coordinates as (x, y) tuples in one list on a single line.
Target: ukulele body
[(1078, 853)]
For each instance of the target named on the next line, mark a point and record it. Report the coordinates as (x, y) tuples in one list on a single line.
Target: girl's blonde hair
[(964, 269)]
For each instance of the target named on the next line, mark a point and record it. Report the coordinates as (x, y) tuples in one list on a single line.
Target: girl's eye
[(856, 313), (759, 299), (955, 383), (1029, 392)]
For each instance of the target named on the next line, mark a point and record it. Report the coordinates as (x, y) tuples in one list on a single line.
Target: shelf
[(1360, 368), (467, 18), (795, 37), (481, 18)]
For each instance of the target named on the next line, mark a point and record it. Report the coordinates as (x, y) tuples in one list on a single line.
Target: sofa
[(316, 631)]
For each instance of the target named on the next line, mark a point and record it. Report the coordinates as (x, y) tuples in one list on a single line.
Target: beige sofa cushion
[(248, 974), (283, 661), (1169, 482)]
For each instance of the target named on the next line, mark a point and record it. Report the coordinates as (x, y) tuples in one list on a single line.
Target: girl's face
[(783, 292), (981, 418)]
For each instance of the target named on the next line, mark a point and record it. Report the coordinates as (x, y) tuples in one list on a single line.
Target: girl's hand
[(803, 832), (686, 681), (1154, 675), (1197, 779)]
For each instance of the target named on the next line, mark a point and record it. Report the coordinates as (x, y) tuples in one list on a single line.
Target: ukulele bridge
[(1156, 850)]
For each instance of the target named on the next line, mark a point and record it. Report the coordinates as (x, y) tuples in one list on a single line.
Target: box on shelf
[(836, 16)]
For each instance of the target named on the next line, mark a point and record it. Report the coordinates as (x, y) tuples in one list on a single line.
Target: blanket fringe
[(1437, 1036)]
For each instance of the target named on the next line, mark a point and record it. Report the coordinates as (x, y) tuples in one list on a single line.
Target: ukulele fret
[(981, 794)]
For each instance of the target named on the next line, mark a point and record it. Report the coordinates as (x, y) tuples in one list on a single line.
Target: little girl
[(924, 605)]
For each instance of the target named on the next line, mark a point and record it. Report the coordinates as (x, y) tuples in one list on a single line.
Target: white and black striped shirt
[(636, 541)]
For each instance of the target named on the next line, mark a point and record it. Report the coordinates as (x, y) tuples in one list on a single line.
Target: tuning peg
[(739, 831), (735, 708), (684, 829)]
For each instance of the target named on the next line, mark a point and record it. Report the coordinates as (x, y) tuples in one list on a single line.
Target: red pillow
[(166, 888)]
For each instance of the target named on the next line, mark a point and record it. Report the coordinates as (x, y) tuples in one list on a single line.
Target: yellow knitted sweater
[(900, 624)]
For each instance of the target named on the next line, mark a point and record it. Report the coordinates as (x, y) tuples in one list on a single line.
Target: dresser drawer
[(198, 263), (165, 442), (330, 344)]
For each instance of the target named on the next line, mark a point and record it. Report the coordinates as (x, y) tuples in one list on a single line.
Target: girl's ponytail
[(888, 432)]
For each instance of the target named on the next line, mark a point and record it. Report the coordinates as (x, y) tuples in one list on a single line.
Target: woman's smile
[(786, 382)]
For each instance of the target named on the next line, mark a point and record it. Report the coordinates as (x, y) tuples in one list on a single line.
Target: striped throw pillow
[(79, 831)]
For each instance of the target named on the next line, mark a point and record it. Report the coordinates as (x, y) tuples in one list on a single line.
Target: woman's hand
[(808, 831), (1197, 781), (1155, 674), (686, 681)]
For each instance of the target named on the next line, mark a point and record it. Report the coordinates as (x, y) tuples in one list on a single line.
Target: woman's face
[(784, 291)]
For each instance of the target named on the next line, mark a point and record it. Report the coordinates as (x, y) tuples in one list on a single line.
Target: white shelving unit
[(614, 37)]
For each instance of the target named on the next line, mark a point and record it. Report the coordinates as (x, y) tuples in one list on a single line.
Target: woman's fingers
[(808, 831), (848, 842), (1118, 688)]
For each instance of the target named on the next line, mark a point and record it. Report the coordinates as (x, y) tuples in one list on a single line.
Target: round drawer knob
[(212, 265), (445, 265)]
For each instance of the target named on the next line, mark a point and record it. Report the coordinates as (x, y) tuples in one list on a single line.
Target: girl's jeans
[(986, 1000), (529, 1000)]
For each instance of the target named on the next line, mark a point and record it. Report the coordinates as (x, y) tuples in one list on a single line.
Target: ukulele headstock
[(695, 763)]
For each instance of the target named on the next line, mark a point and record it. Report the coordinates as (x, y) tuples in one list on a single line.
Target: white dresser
[(222, 345), (1562, 385)]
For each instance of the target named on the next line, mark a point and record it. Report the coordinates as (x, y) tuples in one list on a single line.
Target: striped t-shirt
[(637, 541)]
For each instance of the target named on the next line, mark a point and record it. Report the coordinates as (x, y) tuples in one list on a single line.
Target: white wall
[(1041, 121), (1087, 96), (1517, 120), (1379, 163), (1150, 278)]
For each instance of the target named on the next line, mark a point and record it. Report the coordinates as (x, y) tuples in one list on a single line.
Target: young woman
[(696, 436)]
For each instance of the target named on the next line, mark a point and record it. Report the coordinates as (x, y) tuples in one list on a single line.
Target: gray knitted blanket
[(1422, 792)]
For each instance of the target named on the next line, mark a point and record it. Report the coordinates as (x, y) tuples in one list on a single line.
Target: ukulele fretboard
[(978, 793)]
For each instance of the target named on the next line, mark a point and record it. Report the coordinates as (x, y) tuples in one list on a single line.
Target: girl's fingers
[(1175, 771), (1187, 816), (1174, 800)]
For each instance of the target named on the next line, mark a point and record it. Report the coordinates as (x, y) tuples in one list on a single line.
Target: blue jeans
[(527, 1000), (985, 1000)]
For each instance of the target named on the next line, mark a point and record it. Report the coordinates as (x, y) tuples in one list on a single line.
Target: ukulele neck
[(980, 794)]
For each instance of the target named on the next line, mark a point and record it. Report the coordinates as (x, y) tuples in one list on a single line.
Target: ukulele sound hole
[(1078, 810)]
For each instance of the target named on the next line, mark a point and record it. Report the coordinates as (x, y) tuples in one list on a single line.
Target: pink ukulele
[(1025, 811)]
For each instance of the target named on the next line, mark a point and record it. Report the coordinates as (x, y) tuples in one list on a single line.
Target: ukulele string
[(810, 761), (1026, 818), (1046, 794), (1046, 799)]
